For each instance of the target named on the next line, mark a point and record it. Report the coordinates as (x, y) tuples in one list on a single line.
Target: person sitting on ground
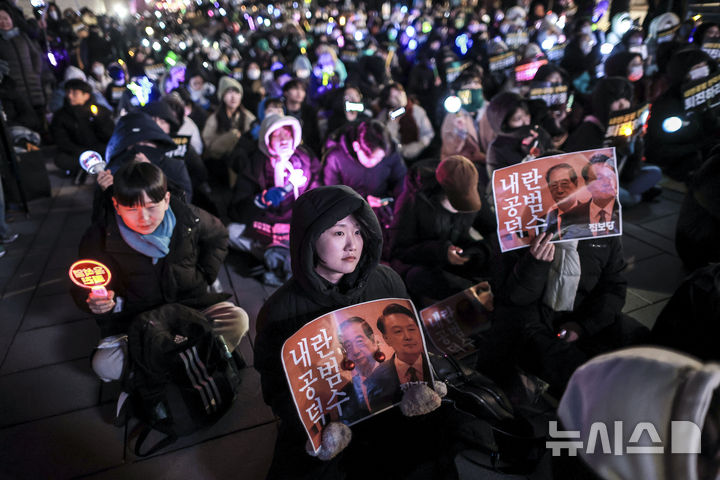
[(361, 159), (159, 250), (698, 225), (266, 191), (638, 181), (431, 243), (224, 128), (517, 137), (78, 126), (336, 242), (567, 299), (407, 122), (460, 131), (294, 92), (138, 138)]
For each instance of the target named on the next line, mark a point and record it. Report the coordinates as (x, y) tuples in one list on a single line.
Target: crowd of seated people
[(264, 131)]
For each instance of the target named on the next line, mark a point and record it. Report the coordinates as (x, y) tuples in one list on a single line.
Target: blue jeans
[(631, 193)]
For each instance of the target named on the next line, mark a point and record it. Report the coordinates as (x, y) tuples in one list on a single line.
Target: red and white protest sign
[(573, 196), (354, 363)]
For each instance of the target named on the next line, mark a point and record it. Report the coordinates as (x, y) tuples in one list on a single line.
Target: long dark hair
[(224, 123)]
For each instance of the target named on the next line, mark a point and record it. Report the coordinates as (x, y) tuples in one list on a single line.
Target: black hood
[(606, 91), (313, 213), (682, 61), (133, 128), (502, 105), (617, 64)]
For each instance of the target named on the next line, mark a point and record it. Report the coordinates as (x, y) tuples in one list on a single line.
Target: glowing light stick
[(91, 274), (92, 162), (452, 104)]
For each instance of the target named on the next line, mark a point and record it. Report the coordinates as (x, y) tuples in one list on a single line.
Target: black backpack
[(182, 376)]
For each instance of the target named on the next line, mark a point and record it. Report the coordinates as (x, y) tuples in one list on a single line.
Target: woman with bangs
[(159, 250)]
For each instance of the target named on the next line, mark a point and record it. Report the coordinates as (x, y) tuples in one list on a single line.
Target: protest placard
[(668, 34), (573, 196), (502, 62), (451, 323), (355, 362), (556, 53), (525, 72), (702, 94), (551, 95), (154, 72), (516, 40), (627, 123), (182, 142), (712, 49)]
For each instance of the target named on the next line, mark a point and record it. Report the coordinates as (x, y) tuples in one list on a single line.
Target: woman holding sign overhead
[(335, 246)]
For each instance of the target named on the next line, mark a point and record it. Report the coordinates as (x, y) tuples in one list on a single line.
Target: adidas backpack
[(182, 375)]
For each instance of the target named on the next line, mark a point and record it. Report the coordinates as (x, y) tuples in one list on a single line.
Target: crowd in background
[(245, 106)]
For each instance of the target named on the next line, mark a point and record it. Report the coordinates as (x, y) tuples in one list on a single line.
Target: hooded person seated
[(661, 404), (407, 122), (335, 247), (79, 125), (361, 159), (610, 96), (159, 250), (267, 188), (138, 138), (698, 224), (435, 239), (551, 111), (675, 140), (165, 118), (517, 137)]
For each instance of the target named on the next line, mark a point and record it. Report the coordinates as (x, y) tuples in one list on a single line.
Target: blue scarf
[(156, 244)]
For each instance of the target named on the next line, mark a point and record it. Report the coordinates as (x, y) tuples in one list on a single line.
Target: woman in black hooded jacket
[(387, 438)]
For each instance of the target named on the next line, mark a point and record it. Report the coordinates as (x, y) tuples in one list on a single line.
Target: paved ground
[(55, 422)]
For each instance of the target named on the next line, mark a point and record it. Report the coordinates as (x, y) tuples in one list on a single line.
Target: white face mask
[(98, 71), (636, 73), (303, 73), (699, 73), (253, 74)]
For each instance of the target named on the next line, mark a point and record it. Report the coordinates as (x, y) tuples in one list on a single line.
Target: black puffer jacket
[(76, 129), (423, 229), (341, 167), (507, 148), (682, 151), (307, 296), (197, 250), (25, 61), (600, 295), (698, 225)]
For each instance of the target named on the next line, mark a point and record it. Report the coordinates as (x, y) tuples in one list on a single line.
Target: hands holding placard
[(541, 248)]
